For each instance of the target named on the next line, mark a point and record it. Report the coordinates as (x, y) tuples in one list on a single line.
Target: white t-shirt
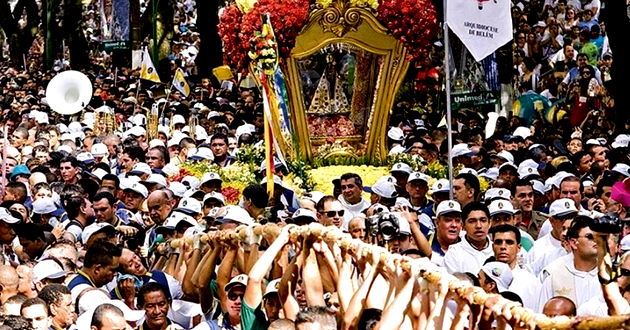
[(463, 257)]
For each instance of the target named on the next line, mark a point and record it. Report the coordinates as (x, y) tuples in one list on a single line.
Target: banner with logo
[(482, 25), (115, 24)]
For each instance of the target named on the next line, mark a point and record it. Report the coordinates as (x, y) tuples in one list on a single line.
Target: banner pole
[(447, 85)]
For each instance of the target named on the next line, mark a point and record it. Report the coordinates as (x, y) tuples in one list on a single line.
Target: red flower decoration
[(413, 22), (229, 27), (237, 29), (179, 176), (231, 195)]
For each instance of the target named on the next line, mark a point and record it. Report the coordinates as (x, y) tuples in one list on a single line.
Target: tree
[(72, 18), (20, 39), (617, 27), (210, 52)]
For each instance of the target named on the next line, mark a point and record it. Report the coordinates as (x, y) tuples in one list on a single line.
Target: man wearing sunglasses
[(575, 275), (330, 212), (550, 246)]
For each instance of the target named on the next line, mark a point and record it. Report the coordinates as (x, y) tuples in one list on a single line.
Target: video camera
[(383, 222)]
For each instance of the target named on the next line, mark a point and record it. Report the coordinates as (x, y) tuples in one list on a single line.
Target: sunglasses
[(233, 296), (589, 237), (624, 272), (331, 214)]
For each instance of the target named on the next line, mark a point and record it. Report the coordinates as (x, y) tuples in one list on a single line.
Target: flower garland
[(229, 29), (413, 22), (237, 29), (323, 176)]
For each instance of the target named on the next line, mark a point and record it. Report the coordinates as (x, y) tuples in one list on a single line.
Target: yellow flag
[(179, 82), (147, 70)]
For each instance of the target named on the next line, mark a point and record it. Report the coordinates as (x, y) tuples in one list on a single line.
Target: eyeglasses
[(499, 241), (233, 296), (587, 72), (331, 214)]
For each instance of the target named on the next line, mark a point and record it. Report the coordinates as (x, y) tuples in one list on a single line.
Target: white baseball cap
[(155, 178), (441, 185), (272, 287), (137, 187), (401, 167), (95, 228), (6, 216), (418, 176), (178, 188), (448, 206), (176, 217), (522, 131), (44, 205), (622, 140), (385, 186), (236, 280), (85, 157), (191, 181), (305, 215), (506, 155), (524, 172), (495, 193), (501, 206), (140, 168), (468, 170), (395, 133), (156, 143), (178, 119), (203, 153), (461, 149), (237, 214), (189, 206), (209, 176), (622, 169), (491, 173), (99, 150), (214, 195), (500, 273), (561, 207), (48, 268), (538, 186)]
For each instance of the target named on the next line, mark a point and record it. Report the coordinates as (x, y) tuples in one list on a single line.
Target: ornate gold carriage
[(343, 75)]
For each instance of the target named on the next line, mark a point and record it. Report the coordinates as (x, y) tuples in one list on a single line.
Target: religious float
[(329, 71), (341, 61)]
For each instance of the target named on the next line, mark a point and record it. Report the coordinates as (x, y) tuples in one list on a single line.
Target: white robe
[(352, 210), (586, 284), (526, 286), (545, 250)]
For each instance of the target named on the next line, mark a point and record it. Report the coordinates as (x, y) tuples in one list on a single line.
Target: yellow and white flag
[(179, 82), (147, 70)]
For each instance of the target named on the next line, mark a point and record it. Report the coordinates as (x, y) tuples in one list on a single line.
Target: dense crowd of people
[(96, 233)]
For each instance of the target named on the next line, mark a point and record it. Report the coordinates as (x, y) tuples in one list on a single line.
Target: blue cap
[(20, 170)]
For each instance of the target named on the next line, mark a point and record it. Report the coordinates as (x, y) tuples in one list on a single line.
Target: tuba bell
[(69, 92)]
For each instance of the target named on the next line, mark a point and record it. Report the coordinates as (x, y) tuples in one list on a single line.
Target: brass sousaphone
[(69, 92)]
